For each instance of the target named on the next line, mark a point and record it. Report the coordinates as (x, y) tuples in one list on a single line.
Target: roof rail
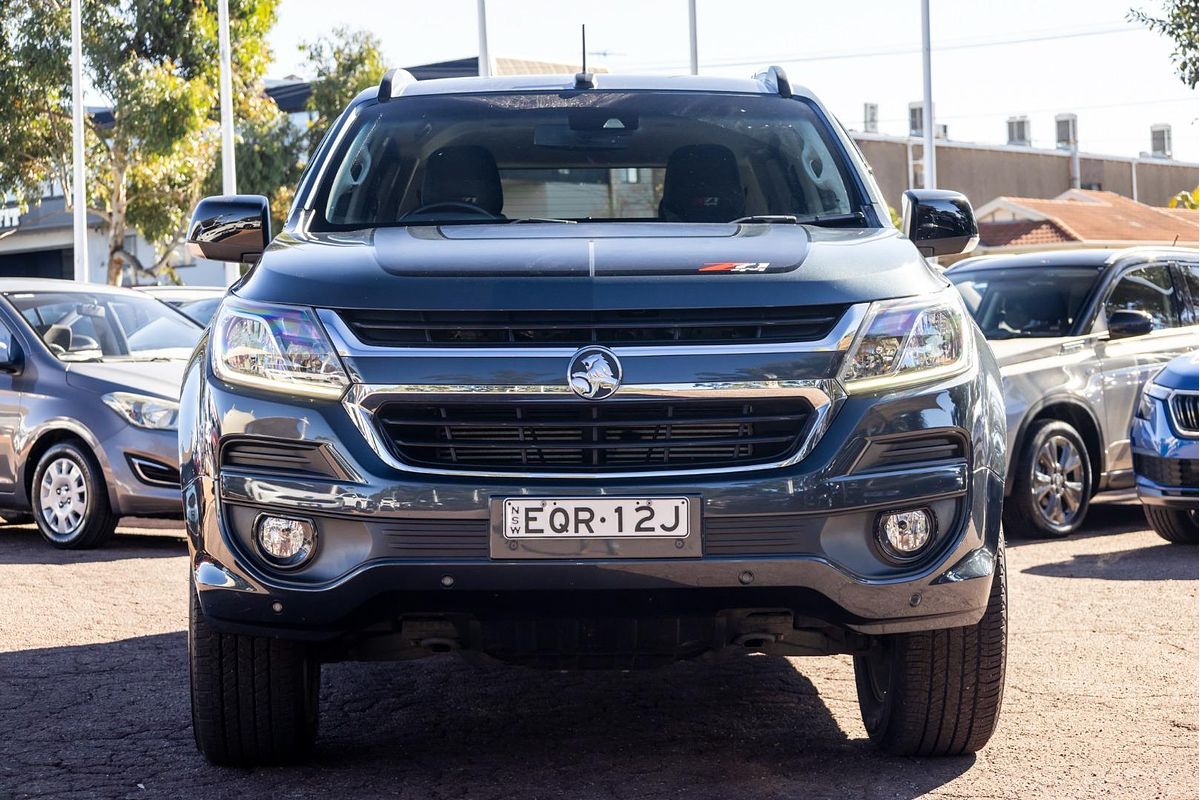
[(393, 83), (775, 79)]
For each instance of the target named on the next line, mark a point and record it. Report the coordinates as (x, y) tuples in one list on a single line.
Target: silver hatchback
[(1076, 334)]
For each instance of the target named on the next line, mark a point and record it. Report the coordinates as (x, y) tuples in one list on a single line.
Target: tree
[(343, 64), (1186, 199), (1180, 22), (155, 64)]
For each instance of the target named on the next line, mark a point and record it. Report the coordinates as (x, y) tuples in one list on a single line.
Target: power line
[(907, 50)]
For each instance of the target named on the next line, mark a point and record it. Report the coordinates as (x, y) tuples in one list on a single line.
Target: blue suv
[(1166, 448)]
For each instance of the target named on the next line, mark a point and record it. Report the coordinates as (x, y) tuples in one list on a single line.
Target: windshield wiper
[(521, 220), (755, 219), (830, 220), (836, 220)]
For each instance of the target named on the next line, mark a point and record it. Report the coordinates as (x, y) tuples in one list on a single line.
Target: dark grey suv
[(592, 372)]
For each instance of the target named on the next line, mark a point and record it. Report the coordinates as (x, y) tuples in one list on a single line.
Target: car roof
[(1097, 258), (602, 82), (196, 290), (10, 285)]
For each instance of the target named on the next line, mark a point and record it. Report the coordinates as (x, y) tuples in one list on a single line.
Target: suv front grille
[(1185, 410), (577, 436), (546, 328)]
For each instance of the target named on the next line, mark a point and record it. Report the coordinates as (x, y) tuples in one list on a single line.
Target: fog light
[(285, 541), (904, 534)]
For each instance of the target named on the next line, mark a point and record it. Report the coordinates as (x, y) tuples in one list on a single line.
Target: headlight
[(1152, 393), (277, 348), (144, 411), (909, 341)]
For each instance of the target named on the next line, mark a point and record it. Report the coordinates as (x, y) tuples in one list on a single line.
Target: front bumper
[(1164, 461), (799, 538)]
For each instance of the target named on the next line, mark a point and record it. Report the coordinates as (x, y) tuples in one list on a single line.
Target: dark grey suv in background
[(89, 383), (592, 372), (1076, 334)]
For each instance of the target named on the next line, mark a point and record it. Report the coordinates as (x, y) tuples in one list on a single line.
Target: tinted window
[(1190, 274), (657, 156), (82, 326), (1025, 301), (1146, 289)]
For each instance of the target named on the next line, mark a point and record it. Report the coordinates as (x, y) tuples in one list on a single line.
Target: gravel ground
[(1101, 698)]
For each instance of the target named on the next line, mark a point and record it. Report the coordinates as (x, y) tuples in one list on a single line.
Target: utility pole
[(695, 52), (228, 168), (485, 60), (79, 189), (929, 158)]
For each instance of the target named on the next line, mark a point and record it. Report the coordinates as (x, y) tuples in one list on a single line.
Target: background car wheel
[(1052, 485), (1178, 525), (70, 500), (254, 698), (937, 693)]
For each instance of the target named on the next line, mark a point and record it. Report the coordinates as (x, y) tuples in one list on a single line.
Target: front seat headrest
[(702, 184), (463, 174), (58, 336)]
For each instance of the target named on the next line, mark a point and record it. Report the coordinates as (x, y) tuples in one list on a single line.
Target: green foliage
[(155, 63), (343, 64), (1180, 22), (1186, 199)]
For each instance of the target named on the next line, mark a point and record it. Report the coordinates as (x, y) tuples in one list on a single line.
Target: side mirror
[(939, 222), (1127, 322), (10, 352), (233, 227)]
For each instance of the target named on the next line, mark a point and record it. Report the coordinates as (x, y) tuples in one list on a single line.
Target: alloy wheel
[(63, 496), (1057, 483)]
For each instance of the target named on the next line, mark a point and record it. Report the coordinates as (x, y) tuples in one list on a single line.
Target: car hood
[(1012, 352), (589, 266), (1181, 373), (156, 378)]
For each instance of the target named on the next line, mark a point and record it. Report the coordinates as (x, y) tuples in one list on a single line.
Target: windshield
[(1025, 301), (594, 155), (97, 326)]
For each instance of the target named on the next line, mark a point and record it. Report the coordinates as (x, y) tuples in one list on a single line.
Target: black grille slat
[(579, 328), (437, 538), (1185, 408), (574, 435)]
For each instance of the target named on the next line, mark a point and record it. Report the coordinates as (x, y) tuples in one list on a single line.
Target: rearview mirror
[(1128, 322), (939, 222), (234, 227)]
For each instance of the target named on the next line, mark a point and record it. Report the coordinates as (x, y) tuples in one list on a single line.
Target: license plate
[(597, 517)]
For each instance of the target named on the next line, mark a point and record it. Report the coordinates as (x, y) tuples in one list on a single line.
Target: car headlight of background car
[(276, 348), (153, 413), (1150, 395), (909, 341)]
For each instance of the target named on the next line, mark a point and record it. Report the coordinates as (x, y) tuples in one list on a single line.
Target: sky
[(991, 60)]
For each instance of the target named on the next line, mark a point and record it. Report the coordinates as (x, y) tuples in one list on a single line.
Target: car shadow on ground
[(1162, 562), (1108, 515), (24, 545), (113, 719)]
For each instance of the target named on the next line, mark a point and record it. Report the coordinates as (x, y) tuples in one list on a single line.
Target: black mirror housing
[(234, 227), (940, 222), (1128, 322)]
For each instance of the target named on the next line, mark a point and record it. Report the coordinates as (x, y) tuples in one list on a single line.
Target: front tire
[(254, 698), (1052, 485), (70, 500), (1176, 525), (937, 693)]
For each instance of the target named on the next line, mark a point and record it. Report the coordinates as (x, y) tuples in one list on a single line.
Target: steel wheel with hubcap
[(69, 499), (1052, 485)]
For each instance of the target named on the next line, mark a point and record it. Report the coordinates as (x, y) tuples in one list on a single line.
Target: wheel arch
[(1064, 409), (50, 434)]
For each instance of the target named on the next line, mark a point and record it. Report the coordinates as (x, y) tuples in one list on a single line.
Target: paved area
[(1101, 698)]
